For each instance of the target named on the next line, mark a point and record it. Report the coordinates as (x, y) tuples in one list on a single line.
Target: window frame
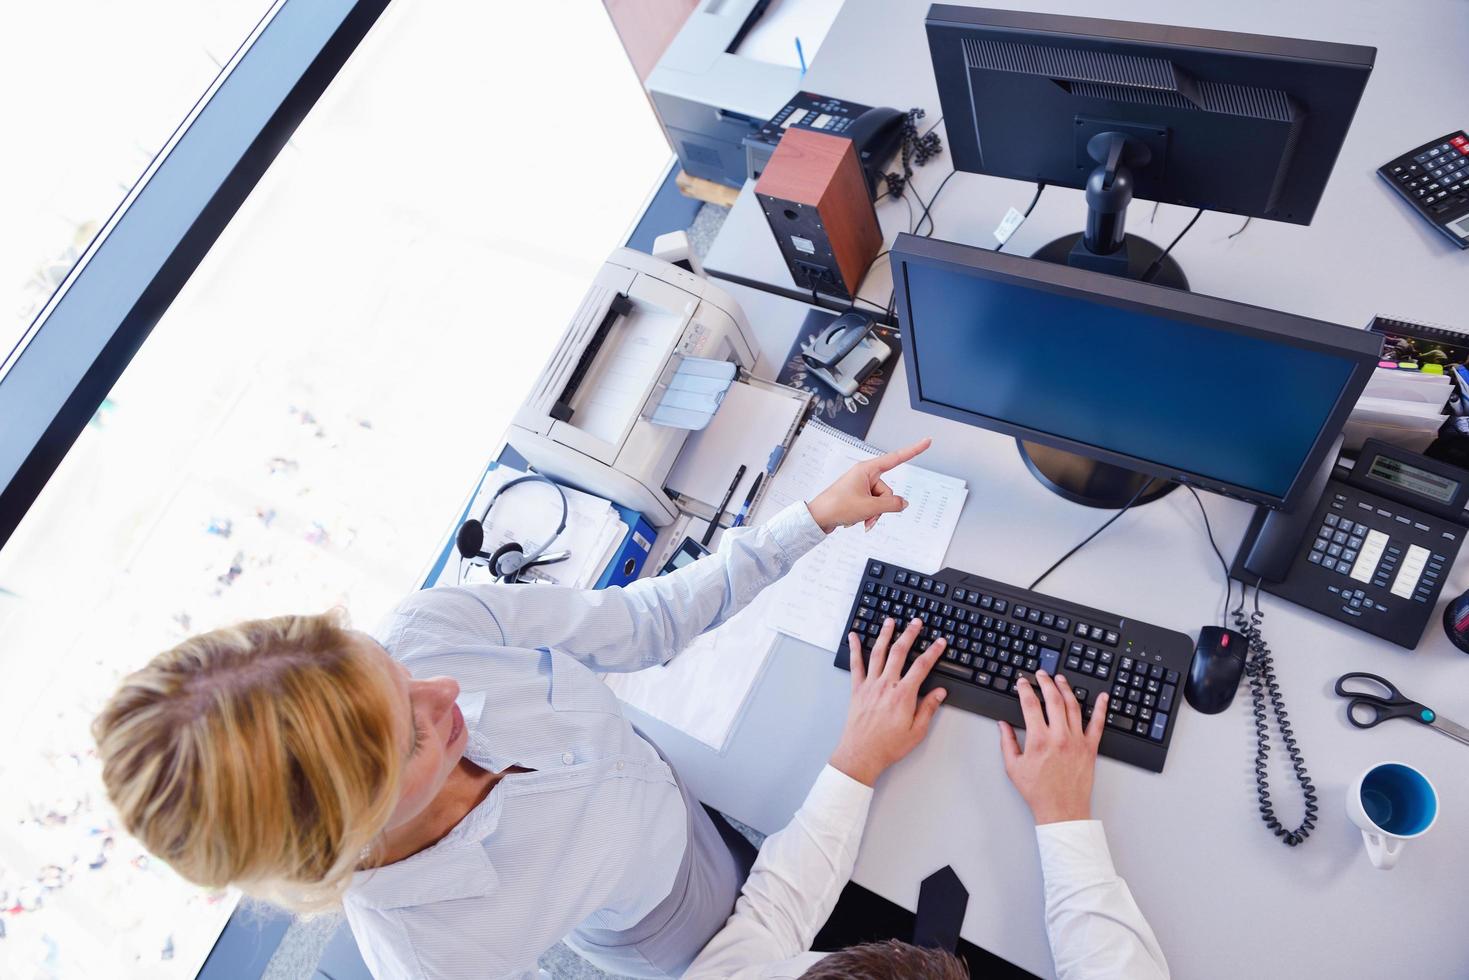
[(80, 342)]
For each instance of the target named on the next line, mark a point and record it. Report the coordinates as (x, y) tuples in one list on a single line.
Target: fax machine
[(587, 421)]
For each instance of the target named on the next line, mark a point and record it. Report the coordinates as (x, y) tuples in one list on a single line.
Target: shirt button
[(567, 758), (619, 767)]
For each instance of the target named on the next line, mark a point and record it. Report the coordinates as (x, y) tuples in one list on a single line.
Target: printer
[(587, 421), (709, 97)]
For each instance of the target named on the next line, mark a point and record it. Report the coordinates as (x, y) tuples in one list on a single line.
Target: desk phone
[(1375, 550)]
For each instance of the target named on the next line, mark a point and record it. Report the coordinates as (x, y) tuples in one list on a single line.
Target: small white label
[(1007, 227), (803, 244)]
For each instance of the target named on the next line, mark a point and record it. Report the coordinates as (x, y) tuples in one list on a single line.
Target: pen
[(745, 507), (709, 531), (800, 53)]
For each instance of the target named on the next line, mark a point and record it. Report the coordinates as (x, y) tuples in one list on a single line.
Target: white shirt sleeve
[(645, 623), (795, 882), (1095, 928)]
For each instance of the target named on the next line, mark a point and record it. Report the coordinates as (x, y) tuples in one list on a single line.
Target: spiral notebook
[(812, 601)]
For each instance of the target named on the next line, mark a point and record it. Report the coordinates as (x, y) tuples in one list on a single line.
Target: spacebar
[(963, 673)]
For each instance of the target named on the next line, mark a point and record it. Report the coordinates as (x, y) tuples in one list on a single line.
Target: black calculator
[(1434, 178)]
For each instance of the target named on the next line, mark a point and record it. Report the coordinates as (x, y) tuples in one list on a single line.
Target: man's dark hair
[(889, 960)]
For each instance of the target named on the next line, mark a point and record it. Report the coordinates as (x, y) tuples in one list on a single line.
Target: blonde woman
[(461, 783)]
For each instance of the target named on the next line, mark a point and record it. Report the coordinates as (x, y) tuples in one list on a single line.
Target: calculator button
[(1314, 558), (1331, 520)]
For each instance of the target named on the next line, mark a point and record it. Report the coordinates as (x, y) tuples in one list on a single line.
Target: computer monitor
[(1208, 119), (1108, 383)]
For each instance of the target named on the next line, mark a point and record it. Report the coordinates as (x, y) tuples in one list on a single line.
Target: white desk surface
[(1225, 897)]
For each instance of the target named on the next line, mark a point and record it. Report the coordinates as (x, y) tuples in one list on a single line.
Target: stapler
[(845, 353)]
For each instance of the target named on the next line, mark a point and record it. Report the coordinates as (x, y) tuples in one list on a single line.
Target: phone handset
[(1276, 535)]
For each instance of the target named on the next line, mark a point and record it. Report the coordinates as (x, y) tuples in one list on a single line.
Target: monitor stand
[(1089, 482), (1106, 247)]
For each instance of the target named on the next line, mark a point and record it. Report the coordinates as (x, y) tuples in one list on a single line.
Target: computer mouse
[(1214, 673)]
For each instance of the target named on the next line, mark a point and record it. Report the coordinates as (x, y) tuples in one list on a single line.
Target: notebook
[(812, 601)]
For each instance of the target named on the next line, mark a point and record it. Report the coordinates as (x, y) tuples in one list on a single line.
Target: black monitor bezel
[(1361, 347)]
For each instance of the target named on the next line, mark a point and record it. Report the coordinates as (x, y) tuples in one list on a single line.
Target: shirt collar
[(438, 874)]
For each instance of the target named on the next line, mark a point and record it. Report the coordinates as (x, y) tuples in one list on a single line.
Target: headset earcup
[(470, 539), (506, 561)]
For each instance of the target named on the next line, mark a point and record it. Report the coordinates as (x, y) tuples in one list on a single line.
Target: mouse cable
[(1260, 669), (1039, 187), (1209, 530), (1087, 540), (1152, 270)]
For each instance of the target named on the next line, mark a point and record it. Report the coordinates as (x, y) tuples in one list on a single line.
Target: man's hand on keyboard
[(1054, 772), (886, 720), (859, 496)]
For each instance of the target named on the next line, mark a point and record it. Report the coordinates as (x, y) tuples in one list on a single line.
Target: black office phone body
[(1374, 548)]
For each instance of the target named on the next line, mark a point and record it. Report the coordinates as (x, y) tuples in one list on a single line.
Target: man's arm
[(647, 622), (1095, 928), (802, 869)]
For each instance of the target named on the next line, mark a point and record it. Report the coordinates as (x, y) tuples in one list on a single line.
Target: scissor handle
[(1379, 707)]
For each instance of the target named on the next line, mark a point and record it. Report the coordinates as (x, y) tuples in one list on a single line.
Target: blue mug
[(1391, 803)]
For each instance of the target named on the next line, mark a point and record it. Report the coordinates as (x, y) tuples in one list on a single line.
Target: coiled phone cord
[(1260, 669)]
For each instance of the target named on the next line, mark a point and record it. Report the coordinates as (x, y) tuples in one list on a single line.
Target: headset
[(509, 561)]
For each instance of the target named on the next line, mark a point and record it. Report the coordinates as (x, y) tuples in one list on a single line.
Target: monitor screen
[(1229, 406)]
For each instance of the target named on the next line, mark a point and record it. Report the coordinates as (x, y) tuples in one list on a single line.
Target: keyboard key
[(1048, 620), (1001, 605), (1117, 721), (1110, 638), (1063, 624), (1035, 616), (1073, 663), (1165, 699), (926, 584), (875, 569), (940, 589), (1021, 611), (983, 679), (1160, 725), (954, 670), (985, 602), (900, 578)]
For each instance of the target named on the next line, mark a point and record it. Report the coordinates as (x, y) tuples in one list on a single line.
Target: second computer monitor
[(1110, 385), (1241, 123)]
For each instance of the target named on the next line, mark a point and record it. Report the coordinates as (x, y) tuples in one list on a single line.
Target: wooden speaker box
[(815, 198)]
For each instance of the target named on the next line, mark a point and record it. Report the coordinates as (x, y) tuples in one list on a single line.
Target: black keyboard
[(1434, 178), (997, 633)]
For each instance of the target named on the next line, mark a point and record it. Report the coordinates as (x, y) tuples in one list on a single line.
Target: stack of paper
[(1405, 408), (529, 513), (811, 603)]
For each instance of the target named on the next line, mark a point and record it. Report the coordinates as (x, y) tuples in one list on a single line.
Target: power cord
[(1260, 668), (925, 216), (1087, 540), (1152, 270)]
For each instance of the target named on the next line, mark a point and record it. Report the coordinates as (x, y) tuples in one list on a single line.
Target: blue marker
[(802, 55), (749, 497)]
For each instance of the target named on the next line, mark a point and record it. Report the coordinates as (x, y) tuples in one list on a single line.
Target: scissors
[(1377, 700)]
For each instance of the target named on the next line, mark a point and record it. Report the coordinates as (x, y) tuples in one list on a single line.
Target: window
[(304, 425)]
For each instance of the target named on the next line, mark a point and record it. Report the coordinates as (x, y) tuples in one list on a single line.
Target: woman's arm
[(646, 623)]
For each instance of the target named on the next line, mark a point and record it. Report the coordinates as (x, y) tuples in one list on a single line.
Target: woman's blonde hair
[(262, 755)]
